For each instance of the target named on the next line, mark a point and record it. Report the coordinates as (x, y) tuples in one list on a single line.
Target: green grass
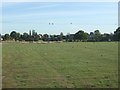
[(60, 65)]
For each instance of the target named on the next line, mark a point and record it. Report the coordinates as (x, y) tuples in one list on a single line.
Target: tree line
[(81, 35)]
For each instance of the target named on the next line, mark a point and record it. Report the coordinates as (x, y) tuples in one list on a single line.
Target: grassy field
[(60, 65)]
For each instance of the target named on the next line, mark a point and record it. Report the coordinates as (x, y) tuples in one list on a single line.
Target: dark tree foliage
[(13, 35), (81, 35), (117, 34), (95, 36), (45, 37), (6, 37)]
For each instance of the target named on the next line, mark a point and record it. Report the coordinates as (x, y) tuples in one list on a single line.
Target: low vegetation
[(60, 65)]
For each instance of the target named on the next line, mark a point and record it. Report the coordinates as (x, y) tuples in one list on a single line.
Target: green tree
[(91, 37), (85, 36), (117, 34), (61, 36), (0, 37), (34, 33), (17, 36), (79, 35), (25, 36), (45, 37), (13, 35), (6, 37), (36, 38), (97, 35)]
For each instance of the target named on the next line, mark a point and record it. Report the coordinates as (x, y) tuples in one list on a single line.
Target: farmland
[(60, 65)]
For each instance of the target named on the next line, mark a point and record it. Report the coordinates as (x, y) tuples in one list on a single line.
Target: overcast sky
[(87, 16)]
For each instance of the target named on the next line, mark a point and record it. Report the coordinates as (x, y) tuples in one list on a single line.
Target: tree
[(0, 37), (14, 35), (80, 35), (36, 38), (56, 37), (30, 32), (45, 37), (6, 37), (117, 34), (34, 33), (61, 36), (85, 36), (91, 37), (105, 37), (69, 37), (97, 35), (25, 36), (17, 36)]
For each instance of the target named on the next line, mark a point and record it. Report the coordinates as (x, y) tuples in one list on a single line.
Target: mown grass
[(60, 65)]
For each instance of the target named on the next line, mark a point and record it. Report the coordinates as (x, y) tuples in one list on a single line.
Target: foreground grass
[(61, 65)]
